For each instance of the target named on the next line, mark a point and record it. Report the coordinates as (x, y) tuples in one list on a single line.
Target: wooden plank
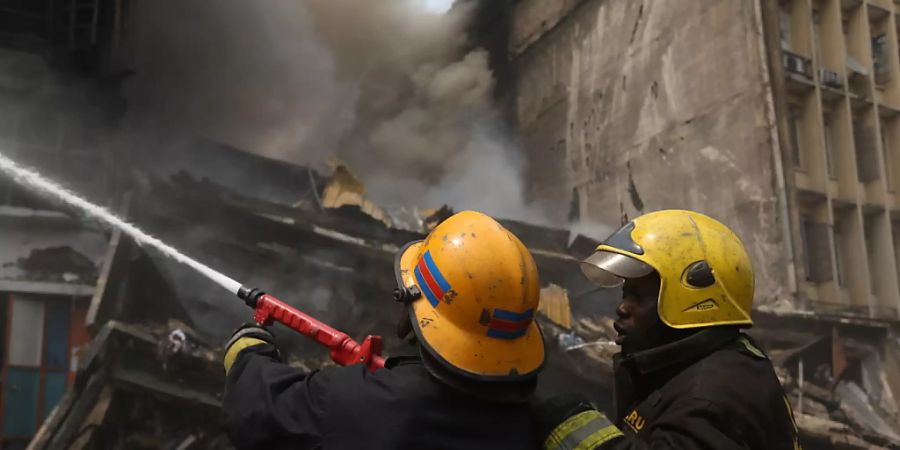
[(82, 405), (143, 381), (46, 431), (16, 212), (94, 419), (109, 274)]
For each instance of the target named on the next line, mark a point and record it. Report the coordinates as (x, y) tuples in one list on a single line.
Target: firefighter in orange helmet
[(470, 290)]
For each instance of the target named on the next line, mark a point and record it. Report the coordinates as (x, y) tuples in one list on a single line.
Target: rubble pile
[(837, 390), (836, 384), (151, 381), (62, 264), (140, 387)]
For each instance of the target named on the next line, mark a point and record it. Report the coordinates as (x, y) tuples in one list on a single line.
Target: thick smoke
[(248, 74), (392, 89)]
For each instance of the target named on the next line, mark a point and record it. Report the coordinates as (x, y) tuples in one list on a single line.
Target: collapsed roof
[(318, 243)]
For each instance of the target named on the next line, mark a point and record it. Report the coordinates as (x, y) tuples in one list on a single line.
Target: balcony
[(797, 65)]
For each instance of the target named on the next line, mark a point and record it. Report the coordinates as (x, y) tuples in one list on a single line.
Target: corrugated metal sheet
[(555, 305), (344, 189)]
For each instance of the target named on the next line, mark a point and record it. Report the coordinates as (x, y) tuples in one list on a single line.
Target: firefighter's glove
[(248, 335), (567, 421)]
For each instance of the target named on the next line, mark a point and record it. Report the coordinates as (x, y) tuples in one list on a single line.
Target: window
[(784, 24), (37, 365), (888, 156), (829, 156), (866, 155), (806, 233), (895, 234), (881, 65), (838, 257), (814, 239), (795, 132), (817, 30), (845, 29)]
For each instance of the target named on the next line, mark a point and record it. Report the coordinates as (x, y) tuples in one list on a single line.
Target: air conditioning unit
[(796, 64), (830, 78)]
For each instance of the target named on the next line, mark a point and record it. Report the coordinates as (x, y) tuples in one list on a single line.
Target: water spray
[(267, 309)]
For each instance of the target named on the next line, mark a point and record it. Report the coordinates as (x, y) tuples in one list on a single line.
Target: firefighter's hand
[(570, 421), (248, 335), (551, 411)]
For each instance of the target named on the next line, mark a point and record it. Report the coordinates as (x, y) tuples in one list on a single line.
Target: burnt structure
[(619, 106)]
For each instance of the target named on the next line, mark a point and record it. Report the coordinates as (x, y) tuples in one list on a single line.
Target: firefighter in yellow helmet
[(687, 377), (469, 292)]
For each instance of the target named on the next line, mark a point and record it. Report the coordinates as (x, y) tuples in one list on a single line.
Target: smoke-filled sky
[(437, 6), (392, 88)]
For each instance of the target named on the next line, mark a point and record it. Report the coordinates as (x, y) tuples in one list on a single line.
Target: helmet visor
[(609, 269)]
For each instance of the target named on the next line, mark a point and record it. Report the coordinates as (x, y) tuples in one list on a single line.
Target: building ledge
[(888, 111), (18, 212), (836, 318), (45, 287)]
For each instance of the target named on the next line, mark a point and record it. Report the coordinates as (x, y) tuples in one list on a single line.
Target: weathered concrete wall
[(630, 106)]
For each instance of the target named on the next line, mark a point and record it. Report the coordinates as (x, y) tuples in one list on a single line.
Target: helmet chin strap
[(404, 326), (405, 295)]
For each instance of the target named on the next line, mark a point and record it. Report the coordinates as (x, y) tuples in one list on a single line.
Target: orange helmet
[(472, 289)]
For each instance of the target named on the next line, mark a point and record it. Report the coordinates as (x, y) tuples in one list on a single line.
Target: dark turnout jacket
[(712, 390), (270, 405)]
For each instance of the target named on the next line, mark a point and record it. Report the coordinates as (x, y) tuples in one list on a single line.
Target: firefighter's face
[(639, 327)]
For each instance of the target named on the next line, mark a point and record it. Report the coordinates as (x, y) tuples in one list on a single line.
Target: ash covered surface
[(63, 264)]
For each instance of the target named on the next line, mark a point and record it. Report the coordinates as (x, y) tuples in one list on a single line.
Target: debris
[(124, 398), (823, 432), (58, 264), (340, 256), (344, 189), (187, 442), (596, 328), (555, 305), (176, 342), (855, 403), (570, 341)]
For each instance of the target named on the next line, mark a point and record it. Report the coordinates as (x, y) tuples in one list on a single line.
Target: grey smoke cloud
[(248, 74), (389, 87)]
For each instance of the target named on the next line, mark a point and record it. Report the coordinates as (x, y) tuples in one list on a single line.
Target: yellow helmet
[(472, 289), (706, 278)]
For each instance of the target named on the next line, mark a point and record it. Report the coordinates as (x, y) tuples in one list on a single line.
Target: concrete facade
[(626, 107), (778, 117)]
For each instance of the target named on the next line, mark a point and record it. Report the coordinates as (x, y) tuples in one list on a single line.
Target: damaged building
[(776, 116), (322, 246)]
